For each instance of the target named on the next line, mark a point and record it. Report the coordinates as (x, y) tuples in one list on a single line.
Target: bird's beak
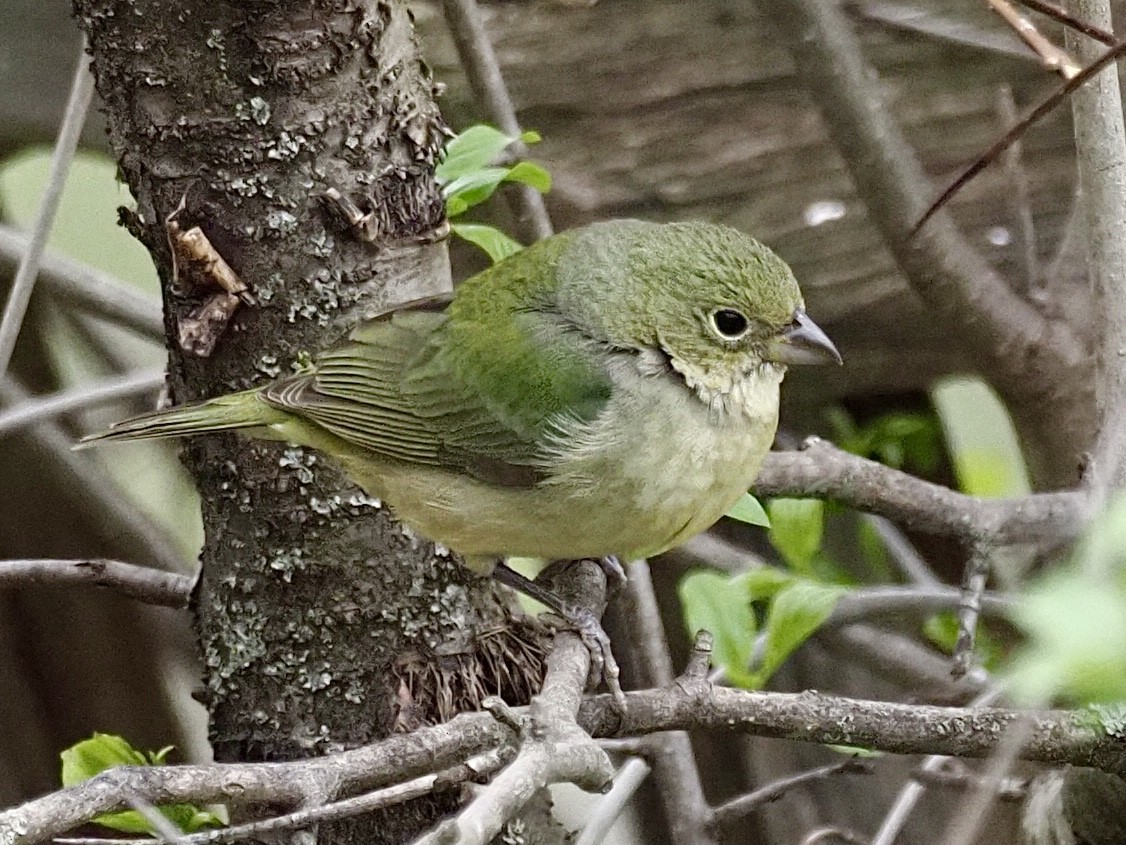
[(803, 342)]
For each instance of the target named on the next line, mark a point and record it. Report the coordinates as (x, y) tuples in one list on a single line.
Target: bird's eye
[(730, 323)]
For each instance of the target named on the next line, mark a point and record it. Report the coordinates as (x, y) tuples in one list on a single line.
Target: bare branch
[(940, 265), (554, 749), (1052, 56), (479, 767), (143, 583), (1056, 737), (737, 808), (81, 92), (820, 470), (81, 398), (864, 603), (79, 286), (485, 78), (1058, 13)]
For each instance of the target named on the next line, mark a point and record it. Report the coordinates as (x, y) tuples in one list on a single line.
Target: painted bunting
[(611, 390)]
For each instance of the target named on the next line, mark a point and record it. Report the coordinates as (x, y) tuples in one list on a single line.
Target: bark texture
[(246, 113)]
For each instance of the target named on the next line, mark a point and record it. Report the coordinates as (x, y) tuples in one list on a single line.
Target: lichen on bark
[(246, 113)]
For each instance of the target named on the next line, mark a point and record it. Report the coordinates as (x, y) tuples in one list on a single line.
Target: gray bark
[(316, 610)]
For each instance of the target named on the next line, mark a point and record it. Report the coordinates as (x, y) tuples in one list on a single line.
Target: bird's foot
[(603, 665)]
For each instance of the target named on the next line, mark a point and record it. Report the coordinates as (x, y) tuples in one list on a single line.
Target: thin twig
[(820, 470), (1009, 789), (81, 398), (1013, 135), (1050, 55), (627, 780), (864, 603), (969, 608), (737, 808), (81, 92), (143, 583), (82, 287), (482, 69), (907, 559), (1061, 15)]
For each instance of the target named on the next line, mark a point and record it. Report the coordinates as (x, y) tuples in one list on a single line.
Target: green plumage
[(576, 399)]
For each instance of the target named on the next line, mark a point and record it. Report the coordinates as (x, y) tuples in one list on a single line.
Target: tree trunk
[(318, 615)]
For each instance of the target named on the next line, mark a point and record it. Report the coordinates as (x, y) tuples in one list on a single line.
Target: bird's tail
[(237, 410)]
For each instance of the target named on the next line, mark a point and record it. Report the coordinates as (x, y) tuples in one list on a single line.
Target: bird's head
[(709, 300)]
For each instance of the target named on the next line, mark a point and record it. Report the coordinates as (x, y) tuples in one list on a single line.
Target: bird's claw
[(603, 664)]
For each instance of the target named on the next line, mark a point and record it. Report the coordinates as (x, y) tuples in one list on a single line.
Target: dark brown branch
[(737, 808), (822, 471), (1061, 15), (143, 583), (1058, 737), (1017, 131)]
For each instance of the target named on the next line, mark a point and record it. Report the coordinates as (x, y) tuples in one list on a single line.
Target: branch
[(554, 749), (1100, 149), (1061, 15), (143, 583), (79, 286), (821, 470), (1024, 351), (737, 808), (482, 69), (1050, 55), (85, 396), (1057, 737), (78, 103), (676, 774)]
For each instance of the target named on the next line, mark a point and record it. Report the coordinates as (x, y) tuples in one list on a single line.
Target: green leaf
[(496, 243), (530, 174), (765, 582), (93, 756), (796, 527), (749, 510), (471, 150), (796, 612), (718, 604), (475, 187)]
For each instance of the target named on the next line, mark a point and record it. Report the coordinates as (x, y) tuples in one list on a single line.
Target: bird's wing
[(408, 388)]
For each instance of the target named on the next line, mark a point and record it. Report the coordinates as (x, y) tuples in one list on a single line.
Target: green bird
[(609, 391)]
